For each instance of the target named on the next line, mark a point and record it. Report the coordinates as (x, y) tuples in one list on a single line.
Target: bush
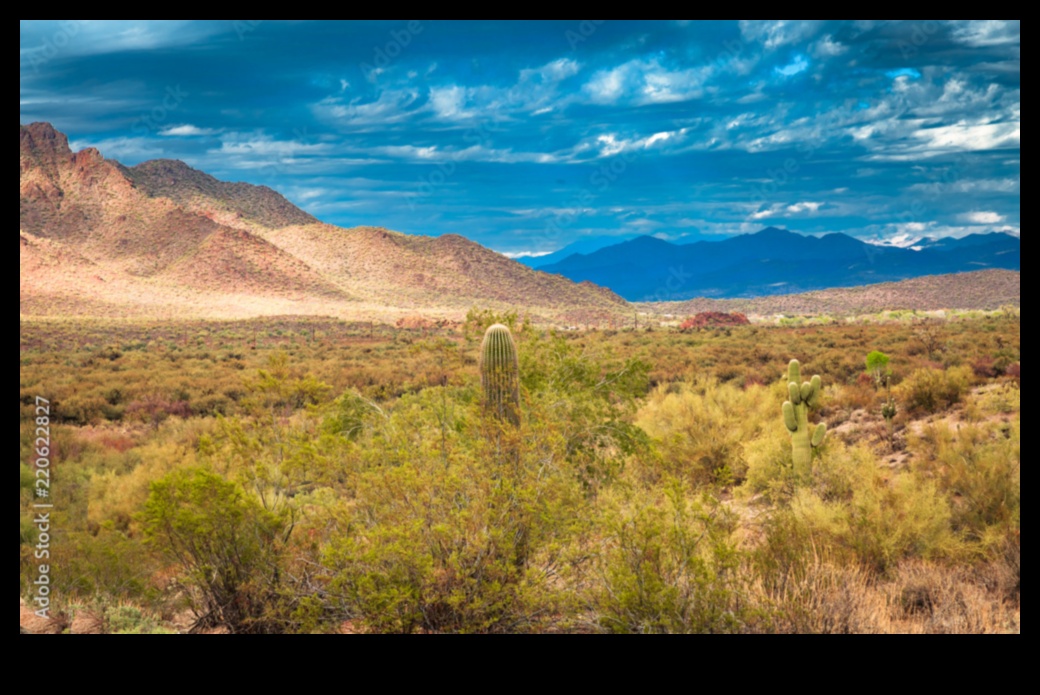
[(702, 428), (669, 566), (225, 543), (124, 619), (933, 390), (980, 467), (457, 521)]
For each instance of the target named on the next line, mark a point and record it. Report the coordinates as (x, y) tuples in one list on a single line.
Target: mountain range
[(774, 261), (161, 239)]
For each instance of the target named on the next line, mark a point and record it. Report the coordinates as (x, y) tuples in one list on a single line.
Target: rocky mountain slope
[(161, 239)]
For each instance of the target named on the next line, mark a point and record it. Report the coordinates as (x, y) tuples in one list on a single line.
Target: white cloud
[(449, 102), (781, 210), (129, 150), (804, 207), (392, 105), (989, 32), (776, 33), (828, 48), (1005, 185), (186, 130), (554, 71), (646, 81), (982, 217), (524, 254), (610, 144)]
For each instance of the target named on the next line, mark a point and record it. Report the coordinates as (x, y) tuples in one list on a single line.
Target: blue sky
[(526, 136)]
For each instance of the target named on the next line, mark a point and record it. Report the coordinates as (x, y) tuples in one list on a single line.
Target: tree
[(877, 368)]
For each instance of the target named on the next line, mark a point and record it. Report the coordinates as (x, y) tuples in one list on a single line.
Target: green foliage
[(449, 531), (224, 543), (801, 398), (499, 374), (980, 467), (668, 567), (351, 477), (124, 619), (855, 513), (702, 428), (931, 390), (877, 368), (479, 320), (591, 399)]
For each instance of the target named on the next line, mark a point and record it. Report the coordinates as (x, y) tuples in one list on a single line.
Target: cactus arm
[(794, 372), (818, 434), (817, 389), (789, 417)]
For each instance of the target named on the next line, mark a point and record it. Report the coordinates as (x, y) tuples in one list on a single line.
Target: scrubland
[(291, 475)]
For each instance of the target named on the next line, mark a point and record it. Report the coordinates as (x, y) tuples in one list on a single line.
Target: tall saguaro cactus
[(802, 397), (500, 373)]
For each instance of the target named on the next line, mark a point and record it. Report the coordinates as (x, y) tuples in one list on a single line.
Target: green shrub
[(669, 566), (224, 542), (125, 619), (702, 428), (933, 390)]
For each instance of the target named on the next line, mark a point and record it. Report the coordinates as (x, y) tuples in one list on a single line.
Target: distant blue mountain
[(586, 245), (774, 261), (592, 244)]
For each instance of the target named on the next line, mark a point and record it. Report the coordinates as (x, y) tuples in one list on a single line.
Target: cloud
[(989, 32), (646, 81), (725, 125), (827, 47), (1005, 185), (391, 106), (186, 130), (128, 150), (982, 217), (776, 33), (781, 210), (524, 254)]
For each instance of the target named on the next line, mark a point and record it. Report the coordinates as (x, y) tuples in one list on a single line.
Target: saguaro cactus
[(796, 417), (500, 374)]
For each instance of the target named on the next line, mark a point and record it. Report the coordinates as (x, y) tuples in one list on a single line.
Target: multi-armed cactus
[(796, 416), (500, 374)]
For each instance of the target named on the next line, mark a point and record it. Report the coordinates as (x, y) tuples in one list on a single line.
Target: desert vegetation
[(314, 475)]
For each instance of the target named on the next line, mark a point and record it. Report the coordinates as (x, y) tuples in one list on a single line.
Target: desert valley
[(240, 413)]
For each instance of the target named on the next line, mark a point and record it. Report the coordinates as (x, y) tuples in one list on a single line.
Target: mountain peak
[(41, 139), (774, 233)]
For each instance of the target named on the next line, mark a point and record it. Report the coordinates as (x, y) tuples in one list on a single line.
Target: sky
[(526, 136)]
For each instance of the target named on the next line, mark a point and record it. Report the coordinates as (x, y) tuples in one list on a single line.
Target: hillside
[(161, 239), (774, 261), (983, 289)]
